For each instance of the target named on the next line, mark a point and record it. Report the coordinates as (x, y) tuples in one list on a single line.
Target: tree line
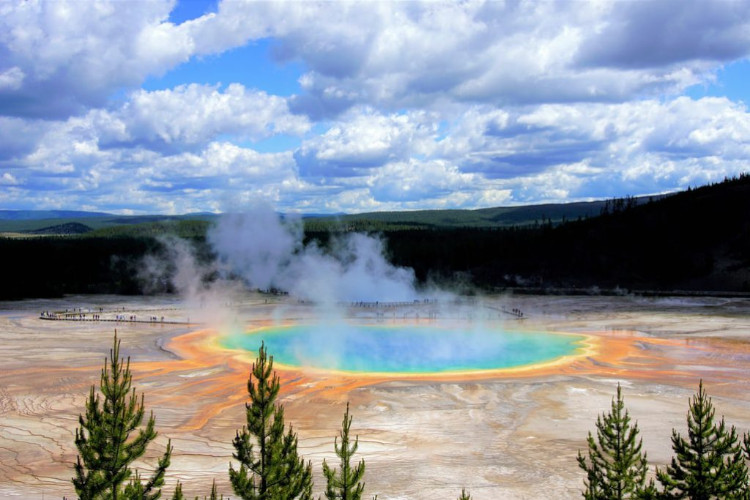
[(694, 240)]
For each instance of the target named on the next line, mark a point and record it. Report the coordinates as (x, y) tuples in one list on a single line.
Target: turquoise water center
[(410, 349)]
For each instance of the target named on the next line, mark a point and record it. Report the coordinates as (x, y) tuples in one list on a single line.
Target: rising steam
[(261, 250), (267, 252)]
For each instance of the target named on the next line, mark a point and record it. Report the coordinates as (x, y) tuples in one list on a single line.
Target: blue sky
[(176, 107)]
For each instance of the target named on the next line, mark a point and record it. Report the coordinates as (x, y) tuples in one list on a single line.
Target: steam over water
[(405, 349), (268, 252)]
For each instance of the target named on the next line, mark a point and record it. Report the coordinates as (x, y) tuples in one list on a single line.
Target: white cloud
[(221, 164), (11, 78), (8, 179), (548, 153), (19, 137), (365, 139), (419, 181), (404, 104), (61, 56), (372, 161), (419, 54), (195, 114), (185, 118), (660, 34), (64, 55)]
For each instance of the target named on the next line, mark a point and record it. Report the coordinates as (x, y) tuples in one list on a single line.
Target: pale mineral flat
[(508, 435)]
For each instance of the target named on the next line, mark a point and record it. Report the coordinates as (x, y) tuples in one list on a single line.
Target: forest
[(695, 242)]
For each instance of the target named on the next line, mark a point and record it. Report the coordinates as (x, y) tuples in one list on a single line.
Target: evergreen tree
[(616, 468), (214, 493), (709, 464), (345, 484), (178, 495), (273, 470), (464, 495), (105, 440)]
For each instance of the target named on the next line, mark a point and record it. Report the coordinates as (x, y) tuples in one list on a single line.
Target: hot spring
[(406, 348)]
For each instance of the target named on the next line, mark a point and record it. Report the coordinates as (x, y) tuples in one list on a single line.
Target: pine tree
[(709, 464), (214, 493), (616, 468), (464, 495), (105, 440), (345, 484), (273, 470), (178, 495)]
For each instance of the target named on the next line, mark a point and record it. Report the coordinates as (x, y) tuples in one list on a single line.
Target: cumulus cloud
[(60, 57), (11, 78), (19, 137), (8, 179), (668, 32), (70, 160), (221, 166), (482, 157), (420, 54), (363, 140), (171, 122), (193, 114), (401, 104), (419, 181)]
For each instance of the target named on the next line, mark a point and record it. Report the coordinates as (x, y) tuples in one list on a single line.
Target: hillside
[(497, 217), (695, 241), (48, 214), (44, 222), (33, 221)]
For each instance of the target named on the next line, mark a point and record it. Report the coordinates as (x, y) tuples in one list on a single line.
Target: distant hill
[(35, 221), (67, 228), (48, 214), (695, 241), (487, 218)]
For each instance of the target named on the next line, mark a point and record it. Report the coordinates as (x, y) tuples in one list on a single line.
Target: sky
[(173, 107)]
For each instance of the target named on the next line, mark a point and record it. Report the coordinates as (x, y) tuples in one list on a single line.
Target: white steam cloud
[(206, 298), (268, 252)]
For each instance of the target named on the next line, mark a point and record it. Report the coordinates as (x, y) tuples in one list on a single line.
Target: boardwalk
[(120, 315)]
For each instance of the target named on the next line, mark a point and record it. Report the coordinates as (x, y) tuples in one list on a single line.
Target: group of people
[(379, 304), (133, 317), (78, 314), (123, 317), (516, 312)]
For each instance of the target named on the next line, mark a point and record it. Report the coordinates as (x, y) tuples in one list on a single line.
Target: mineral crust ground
[(509, 434)]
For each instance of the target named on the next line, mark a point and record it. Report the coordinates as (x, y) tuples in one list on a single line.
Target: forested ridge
[(697, 240)]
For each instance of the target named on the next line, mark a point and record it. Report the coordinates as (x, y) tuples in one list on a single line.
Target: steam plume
[(268, 252)]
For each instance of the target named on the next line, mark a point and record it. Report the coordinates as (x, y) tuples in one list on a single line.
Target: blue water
[(405, 349)]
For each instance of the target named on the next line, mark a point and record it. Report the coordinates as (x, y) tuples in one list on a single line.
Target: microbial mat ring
[(406, 349)]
